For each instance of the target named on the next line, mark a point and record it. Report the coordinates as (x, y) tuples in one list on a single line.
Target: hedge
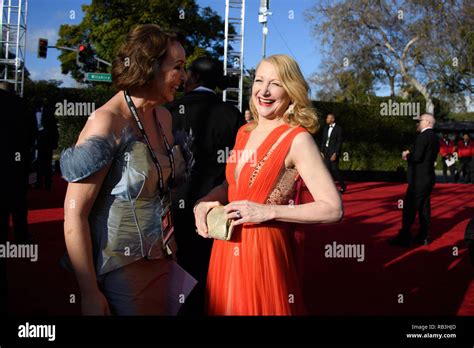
[(372, 142)]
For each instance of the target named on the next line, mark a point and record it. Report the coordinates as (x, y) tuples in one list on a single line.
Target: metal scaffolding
[(234, 50), (13, 16)]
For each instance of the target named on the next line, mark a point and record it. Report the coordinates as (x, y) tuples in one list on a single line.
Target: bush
[(69, 125), (371, 141)]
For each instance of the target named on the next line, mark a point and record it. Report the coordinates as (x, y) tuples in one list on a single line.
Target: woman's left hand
[(248, 212)]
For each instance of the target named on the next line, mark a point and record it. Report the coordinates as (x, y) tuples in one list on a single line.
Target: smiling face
[(268, 94), (171, 73)]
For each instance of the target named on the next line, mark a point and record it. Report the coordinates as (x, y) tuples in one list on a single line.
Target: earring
[(291, 110)]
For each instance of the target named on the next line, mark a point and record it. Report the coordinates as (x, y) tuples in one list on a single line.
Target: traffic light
[(86, 57), (42, 48), (82, 54)]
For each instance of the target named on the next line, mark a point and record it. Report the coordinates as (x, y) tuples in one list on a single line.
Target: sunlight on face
[(268, 94), (172, 73)]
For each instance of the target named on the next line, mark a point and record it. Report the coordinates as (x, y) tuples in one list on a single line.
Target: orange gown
[(254, 273)]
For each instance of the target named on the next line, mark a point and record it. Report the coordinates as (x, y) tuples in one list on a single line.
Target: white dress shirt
[(331, 127)]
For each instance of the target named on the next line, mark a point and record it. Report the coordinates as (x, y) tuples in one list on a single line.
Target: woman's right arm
[(80, 197), (77, 204), (217, 196)]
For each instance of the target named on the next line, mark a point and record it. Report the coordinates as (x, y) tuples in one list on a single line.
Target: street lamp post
[(263, 13)]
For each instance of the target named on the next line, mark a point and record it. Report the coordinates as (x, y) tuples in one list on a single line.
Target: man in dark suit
[(17, 136), (16, 141), (214, 125), (331, 149), (47, 142), (421, 179)]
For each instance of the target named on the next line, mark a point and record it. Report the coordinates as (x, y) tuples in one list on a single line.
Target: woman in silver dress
[(117, 228)]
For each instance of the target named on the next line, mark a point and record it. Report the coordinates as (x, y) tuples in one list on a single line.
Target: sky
[(288, 33)]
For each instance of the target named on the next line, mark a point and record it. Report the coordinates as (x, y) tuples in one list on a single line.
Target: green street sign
[(99, 77)]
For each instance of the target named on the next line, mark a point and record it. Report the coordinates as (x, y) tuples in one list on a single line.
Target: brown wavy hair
[(139, 57), (295, 85)]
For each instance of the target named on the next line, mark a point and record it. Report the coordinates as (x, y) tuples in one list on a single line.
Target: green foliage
[(69, 126), (461, 116), (106, 24), (372, 141)]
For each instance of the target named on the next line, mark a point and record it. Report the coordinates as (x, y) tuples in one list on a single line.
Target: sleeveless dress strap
[(264, 175)]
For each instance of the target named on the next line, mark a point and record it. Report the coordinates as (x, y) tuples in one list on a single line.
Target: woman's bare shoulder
[(105, 121)]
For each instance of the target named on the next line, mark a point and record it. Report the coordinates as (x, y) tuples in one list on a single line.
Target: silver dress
[(125, 221)]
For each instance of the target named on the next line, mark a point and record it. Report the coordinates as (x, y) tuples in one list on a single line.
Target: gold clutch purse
[(218, 226)]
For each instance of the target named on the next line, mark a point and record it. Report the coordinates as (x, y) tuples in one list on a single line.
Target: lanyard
[(134, 112)]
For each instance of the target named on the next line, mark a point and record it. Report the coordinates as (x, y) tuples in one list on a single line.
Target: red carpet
[(431, 280)]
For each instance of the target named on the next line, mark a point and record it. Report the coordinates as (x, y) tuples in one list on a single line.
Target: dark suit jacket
[(17, 137), (214, 124), (335, 141), (48, 138), (421, 159)]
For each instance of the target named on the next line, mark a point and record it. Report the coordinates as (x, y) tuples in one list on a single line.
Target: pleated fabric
[(254, 273)]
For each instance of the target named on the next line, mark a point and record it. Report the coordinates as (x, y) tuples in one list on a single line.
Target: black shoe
[(421, 240), (399, 241)]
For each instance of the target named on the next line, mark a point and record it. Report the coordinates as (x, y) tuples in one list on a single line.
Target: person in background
[(248, 116), (465, 153), (213, 124), (16, 142), (446, 150), (47, 141), (421, 179), (331, 145)]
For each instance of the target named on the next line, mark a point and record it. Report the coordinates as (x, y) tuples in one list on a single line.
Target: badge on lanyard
[(167, 225)]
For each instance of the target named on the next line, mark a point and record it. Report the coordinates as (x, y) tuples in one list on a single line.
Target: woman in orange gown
[(254, 273)]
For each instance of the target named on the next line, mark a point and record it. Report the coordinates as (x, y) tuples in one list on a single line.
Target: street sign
[(99, 77)]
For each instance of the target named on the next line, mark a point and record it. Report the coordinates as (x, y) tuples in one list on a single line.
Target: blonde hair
[(297, 89)]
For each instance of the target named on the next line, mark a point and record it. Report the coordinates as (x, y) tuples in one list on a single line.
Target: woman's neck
[(266, 125), (143, 105)]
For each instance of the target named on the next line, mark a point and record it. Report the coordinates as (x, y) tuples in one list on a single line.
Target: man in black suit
[(421, 179), (47, 141), (331, 149), (16, 141), (17, 136), (214, 125)]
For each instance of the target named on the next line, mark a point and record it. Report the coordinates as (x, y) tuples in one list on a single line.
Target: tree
[(337, 83), (107, 22), (425, 44)]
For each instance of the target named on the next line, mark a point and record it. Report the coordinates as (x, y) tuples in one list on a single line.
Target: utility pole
[(263, 13)]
